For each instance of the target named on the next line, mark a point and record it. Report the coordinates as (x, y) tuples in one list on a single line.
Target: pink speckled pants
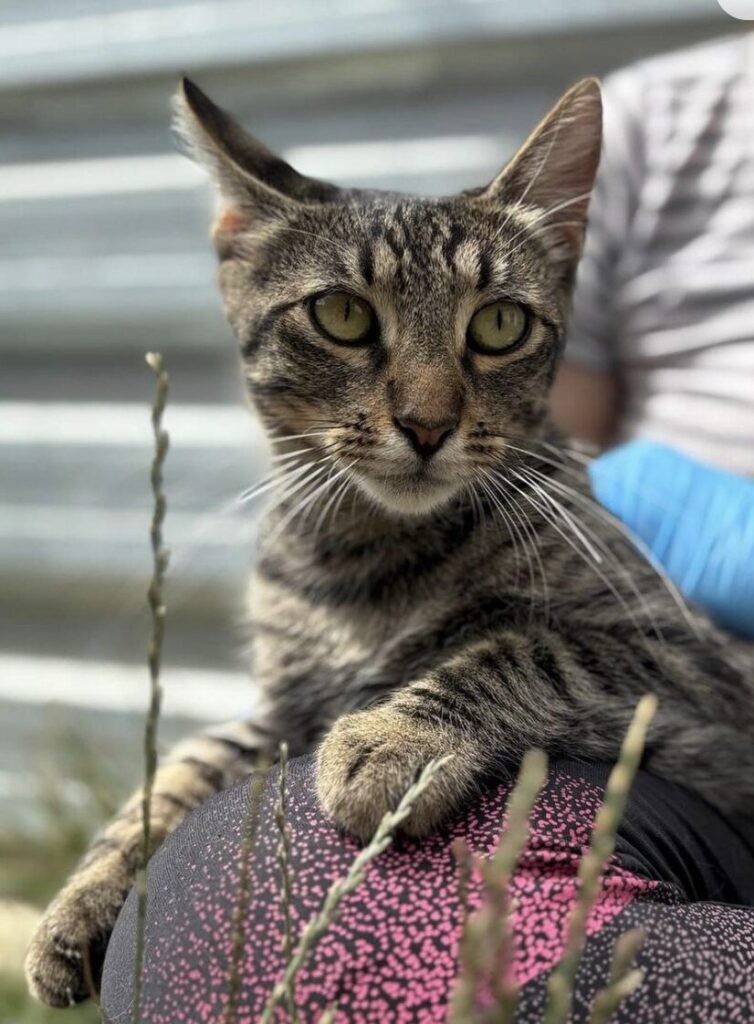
[(679, 871)]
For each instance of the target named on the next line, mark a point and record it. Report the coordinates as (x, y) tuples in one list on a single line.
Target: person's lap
[(678, 872)]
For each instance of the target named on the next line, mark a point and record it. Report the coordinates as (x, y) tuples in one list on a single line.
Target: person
[(695, 521), (680, 872), (660, 349), (661, 340)]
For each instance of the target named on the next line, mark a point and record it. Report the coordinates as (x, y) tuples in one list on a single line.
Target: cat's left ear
[(254, 184), (552, 174)]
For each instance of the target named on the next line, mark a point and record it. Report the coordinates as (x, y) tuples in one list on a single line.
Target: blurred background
[(104, 255)]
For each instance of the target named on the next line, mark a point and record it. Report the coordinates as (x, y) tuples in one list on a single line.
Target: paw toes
[(56, 979), (367, 763), (64, 961), (64, 950)]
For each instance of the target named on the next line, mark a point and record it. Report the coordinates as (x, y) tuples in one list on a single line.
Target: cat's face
[(412, 341)]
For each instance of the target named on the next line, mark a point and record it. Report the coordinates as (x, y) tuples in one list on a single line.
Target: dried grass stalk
[(486, 946), (154, 656), (560, 983), (243, 896), (465, 861), (624, 978), (284, 861)]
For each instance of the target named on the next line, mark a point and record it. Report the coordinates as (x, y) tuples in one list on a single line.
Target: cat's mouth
[(411, 492)]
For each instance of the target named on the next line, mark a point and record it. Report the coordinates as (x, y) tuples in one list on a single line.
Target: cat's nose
[(425, 438)]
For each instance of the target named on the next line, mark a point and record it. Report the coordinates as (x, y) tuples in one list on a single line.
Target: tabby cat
[(433, 575)]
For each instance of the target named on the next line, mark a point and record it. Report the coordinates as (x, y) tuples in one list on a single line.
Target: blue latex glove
[(697, 521)]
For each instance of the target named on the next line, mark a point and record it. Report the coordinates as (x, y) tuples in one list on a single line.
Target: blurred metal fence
[(103, 255)]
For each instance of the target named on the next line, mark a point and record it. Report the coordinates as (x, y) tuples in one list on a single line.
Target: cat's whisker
[(565, 450), (591, 548), (333, 504), (541, 482), (572, 453), (551, 515), (267, 483), (476, 505), (543, 216), (531, 535), (308, 450), (560, 465), (516, 536), (298, 479), (549, 212), (325, 500), (279, 477), (280, 438), (555, 130), (558, 224), (347, 483), (591, 506), (306, 502), (290, 456), (343, 250), (560, 450), (305, 486), (290, 470), (318, 467), (321, 423), (530, 543), (609, 555), (595, 549)]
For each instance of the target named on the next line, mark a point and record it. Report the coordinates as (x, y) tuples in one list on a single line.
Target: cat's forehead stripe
[(407, 252), (411, 240), (385, 262)]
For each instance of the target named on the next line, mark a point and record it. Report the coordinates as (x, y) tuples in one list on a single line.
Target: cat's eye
[(498, 328), (343, 317)]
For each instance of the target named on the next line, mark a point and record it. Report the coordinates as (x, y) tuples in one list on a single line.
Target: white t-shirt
[(665, 291)]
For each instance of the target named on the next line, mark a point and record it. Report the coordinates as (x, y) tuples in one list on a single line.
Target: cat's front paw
[(66, 953), (370, 758)]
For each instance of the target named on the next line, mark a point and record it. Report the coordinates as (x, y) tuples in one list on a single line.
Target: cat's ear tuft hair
[(252, 181), (552, 174)]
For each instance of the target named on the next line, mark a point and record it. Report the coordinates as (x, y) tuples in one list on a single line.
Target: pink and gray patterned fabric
[(679, 871)]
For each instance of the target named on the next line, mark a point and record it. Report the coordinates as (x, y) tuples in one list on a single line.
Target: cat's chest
[(383, 619), (297, 634)]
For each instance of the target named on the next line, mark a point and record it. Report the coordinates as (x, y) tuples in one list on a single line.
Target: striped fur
[(475, 603)]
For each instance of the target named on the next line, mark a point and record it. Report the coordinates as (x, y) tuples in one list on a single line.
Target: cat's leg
[(66, 953), (481, 707), (502, 696)]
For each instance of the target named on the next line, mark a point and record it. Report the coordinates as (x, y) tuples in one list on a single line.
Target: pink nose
[(425, 438)]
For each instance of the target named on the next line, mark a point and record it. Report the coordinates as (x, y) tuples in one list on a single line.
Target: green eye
[(498, 328), (343, 317)]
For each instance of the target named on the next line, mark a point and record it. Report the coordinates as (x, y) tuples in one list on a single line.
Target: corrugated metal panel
[(103, 255), (95, 40)]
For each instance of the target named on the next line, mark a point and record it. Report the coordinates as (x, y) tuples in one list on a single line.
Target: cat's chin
[(406, 497)]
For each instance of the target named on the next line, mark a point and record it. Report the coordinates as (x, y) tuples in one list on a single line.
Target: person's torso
[(686, 292)]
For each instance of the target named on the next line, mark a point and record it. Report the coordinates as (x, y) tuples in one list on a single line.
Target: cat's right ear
[(550, 178), (254, 184)]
